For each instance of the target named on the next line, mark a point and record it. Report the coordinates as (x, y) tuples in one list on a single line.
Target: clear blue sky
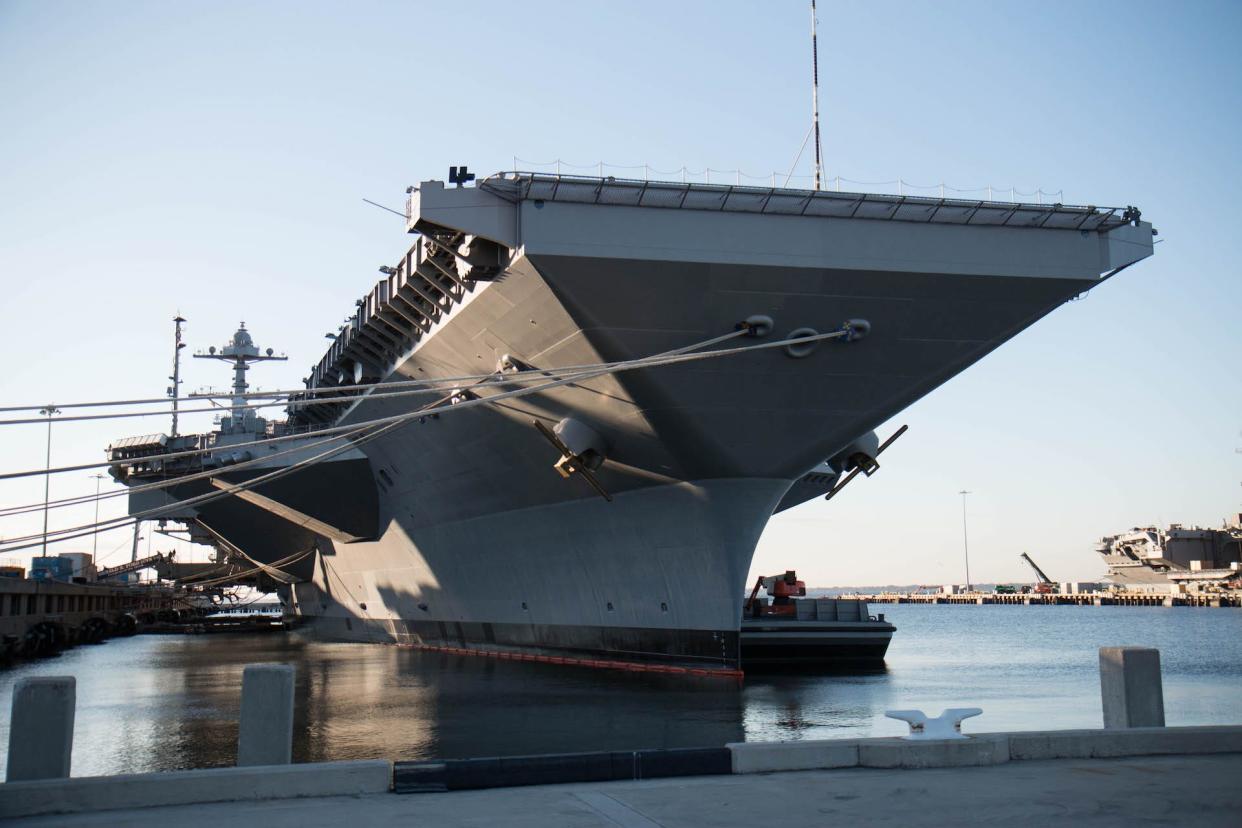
[(211, 158)]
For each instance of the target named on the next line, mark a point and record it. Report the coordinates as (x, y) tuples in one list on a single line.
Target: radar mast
[(241, 351)]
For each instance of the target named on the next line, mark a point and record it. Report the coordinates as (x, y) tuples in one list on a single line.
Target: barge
[(788, 629)]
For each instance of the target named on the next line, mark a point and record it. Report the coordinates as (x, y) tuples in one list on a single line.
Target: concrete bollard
[(1130, 687), (265, 734), (41, 728)]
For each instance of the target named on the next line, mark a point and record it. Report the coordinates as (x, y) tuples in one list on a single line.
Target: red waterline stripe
[(628, 666)]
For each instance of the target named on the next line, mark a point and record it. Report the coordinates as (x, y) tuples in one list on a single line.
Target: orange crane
[(781, 589), (1044, 585)]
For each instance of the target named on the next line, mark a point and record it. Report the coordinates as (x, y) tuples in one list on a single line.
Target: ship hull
[(813, 645), (473, 539), (484, 546), (653, 575)]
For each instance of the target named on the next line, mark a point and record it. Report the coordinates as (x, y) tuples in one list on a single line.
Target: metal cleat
[(948, 725)]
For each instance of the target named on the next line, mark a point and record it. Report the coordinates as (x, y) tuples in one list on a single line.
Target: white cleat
[(948, 725)]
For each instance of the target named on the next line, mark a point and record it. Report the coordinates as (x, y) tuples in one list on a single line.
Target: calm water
[(162, 702)]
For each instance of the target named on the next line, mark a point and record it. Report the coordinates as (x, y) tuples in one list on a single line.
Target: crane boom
[(1039, 573), (133, 566)]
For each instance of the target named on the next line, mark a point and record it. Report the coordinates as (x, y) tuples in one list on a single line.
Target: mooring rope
[(385, 424), (527, 375), (279, 397)]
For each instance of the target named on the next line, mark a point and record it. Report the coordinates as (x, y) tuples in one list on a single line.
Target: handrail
[(522, 185)]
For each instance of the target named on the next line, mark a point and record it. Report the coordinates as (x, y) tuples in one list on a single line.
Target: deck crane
[(1044, 584)]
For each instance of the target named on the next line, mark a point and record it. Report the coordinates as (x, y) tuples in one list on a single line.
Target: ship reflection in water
[(163, 702)]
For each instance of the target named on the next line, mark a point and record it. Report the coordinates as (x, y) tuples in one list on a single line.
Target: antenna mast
[(174, 390), (240, 351), (819, 153)]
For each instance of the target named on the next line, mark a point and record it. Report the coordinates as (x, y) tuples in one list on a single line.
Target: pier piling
[(1130, 687), (266, 730), (41, 728)]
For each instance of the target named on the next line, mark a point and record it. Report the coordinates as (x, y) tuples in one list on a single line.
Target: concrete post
[(266, 731), (41, 728), (1130, 687)]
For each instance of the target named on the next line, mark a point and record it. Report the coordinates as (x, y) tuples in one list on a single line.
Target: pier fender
[(126, 624), (43, 639), (583, 441), (93, 631)]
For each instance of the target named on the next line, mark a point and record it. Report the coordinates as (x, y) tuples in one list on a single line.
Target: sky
[(210, 158)]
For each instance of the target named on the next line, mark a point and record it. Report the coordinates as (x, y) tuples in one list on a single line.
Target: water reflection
[(162, 702), (173, 702)]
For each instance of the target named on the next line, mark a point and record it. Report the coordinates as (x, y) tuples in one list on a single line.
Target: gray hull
[(479, 543), (653, 575)]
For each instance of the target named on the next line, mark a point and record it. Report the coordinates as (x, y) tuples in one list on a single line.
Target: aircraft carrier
[(1192, 556), (610, 513)]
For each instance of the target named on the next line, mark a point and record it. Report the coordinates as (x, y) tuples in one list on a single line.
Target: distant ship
[(1188, 555), (613, 515)]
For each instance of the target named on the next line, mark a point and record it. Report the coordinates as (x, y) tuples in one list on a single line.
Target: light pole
[(95, 545), (965, 544), (47, 411)]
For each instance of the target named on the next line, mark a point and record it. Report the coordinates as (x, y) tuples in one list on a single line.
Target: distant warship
[(1188, 555), (608, 515)]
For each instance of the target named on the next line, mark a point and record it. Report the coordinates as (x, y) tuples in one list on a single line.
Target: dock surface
[(1168, 790)]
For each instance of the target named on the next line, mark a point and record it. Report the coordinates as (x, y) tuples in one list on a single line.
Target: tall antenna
[(174, 390), (819, 153)]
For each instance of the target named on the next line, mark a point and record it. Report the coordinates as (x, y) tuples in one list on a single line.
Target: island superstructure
[(614, 516), (1193, 557)]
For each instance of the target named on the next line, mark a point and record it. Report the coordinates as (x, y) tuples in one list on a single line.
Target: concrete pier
[(438, 787), (1165, 790), (265, 734), (42, 618), (1130, 687), (41, 728)]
